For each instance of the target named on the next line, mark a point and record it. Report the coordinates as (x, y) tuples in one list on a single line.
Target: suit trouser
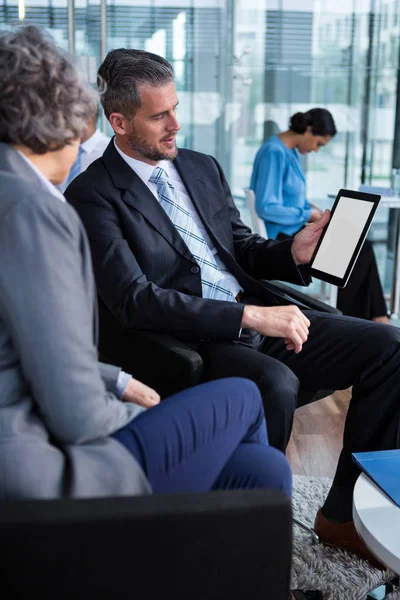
[(212, 436), (340, 352)]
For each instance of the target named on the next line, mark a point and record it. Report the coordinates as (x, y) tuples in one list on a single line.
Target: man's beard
[(139, 145)]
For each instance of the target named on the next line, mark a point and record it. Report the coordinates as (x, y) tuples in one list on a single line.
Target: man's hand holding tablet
[(330, 246), (306, 240), (332, 249)]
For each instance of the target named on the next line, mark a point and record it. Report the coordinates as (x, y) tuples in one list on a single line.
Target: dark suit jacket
[(146, 275)]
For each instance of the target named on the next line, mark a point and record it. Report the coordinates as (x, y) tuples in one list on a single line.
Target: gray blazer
[(57, 406)]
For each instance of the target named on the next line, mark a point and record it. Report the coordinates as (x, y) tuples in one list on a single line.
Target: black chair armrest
[(215, 545), (304, 299), (157, 359), (170, 354)]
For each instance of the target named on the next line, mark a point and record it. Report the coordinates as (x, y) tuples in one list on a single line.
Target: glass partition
[(342, 56), (87, 40), (51, 14), (243, 67), (189, 34)]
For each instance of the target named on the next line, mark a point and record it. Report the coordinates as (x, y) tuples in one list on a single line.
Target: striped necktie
[(213, 283)]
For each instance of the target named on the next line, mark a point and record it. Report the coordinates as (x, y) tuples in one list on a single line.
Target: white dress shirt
[(145, 171), (92, 149), (45, 184)]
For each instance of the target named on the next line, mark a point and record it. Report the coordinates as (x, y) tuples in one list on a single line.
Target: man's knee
[(383, 339), (279, 388)]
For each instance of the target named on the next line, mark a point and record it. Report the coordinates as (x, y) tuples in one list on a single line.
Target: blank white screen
[(342, 235)]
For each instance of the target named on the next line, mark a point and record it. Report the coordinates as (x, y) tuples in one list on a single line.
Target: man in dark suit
[(171, 255)]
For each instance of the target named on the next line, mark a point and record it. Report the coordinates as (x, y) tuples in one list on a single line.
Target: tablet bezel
[(342, 281)]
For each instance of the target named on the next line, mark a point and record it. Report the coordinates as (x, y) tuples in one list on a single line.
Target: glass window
[(51, 14), (243, 68)]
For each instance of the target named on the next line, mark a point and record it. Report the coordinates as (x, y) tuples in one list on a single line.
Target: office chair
[(179, 366)]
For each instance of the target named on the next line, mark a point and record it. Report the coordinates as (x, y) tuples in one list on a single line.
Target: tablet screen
[(342, 236)]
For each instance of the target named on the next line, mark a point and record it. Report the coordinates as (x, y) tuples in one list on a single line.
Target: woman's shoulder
[(273, 146), (271, 154), (24, 194), (24, 200)]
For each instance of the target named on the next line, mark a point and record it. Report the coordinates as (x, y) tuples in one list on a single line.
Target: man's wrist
[(295, 258), (249, 317), (296, 262)]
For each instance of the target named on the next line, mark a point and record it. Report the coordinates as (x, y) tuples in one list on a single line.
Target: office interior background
[(244, 66)]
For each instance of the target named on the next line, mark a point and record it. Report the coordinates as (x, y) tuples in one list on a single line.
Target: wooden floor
[(317, 435)]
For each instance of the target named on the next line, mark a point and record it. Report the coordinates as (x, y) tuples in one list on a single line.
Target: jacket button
[(195, 270)]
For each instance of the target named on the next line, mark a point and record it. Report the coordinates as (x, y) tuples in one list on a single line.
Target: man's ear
[(119, 123)]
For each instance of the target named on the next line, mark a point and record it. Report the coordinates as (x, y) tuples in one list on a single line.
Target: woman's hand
[(316, 214), (139, 393)]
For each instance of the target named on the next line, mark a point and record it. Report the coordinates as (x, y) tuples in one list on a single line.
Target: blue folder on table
[(383, 468)]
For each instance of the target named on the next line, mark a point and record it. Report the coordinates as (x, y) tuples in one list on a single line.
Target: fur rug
[(338, 574)]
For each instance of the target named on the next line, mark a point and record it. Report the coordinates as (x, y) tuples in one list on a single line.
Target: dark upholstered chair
[(216, 545), (157, 359), (169, 365)]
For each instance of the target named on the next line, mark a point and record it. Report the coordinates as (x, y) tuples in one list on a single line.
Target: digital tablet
[(342, 239)]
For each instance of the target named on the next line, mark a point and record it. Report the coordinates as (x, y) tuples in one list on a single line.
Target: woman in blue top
[(280, 187)]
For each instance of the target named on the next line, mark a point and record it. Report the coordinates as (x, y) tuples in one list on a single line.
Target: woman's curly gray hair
[(44, 100)]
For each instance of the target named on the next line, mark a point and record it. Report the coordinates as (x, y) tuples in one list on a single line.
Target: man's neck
[(126, 149)]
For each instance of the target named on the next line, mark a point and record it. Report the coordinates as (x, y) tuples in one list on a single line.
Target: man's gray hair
[(123, 71), (44, 100)]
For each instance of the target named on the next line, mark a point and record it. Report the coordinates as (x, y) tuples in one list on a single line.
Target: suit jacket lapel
[(137, 194), (199, 194), (196, 188)]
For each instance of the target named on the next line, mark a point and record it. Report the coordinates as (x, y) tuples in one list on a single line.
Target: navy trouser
[(212, 436)]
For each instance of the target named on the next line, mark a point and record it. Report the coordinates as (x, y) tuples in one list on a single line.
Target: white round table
[(377, 520)]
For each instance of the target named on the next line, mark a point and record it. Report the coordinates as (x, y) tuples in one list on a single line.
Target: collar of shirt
[(143, 169), (44, 183), (91, 143)]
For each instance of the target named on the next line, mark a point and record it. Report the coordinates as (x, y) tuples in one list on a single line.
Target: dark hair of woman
[(319, 119)]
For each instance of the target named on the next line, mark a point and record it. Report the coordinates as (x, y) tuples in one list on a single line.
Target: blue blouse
[(279, 185)]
